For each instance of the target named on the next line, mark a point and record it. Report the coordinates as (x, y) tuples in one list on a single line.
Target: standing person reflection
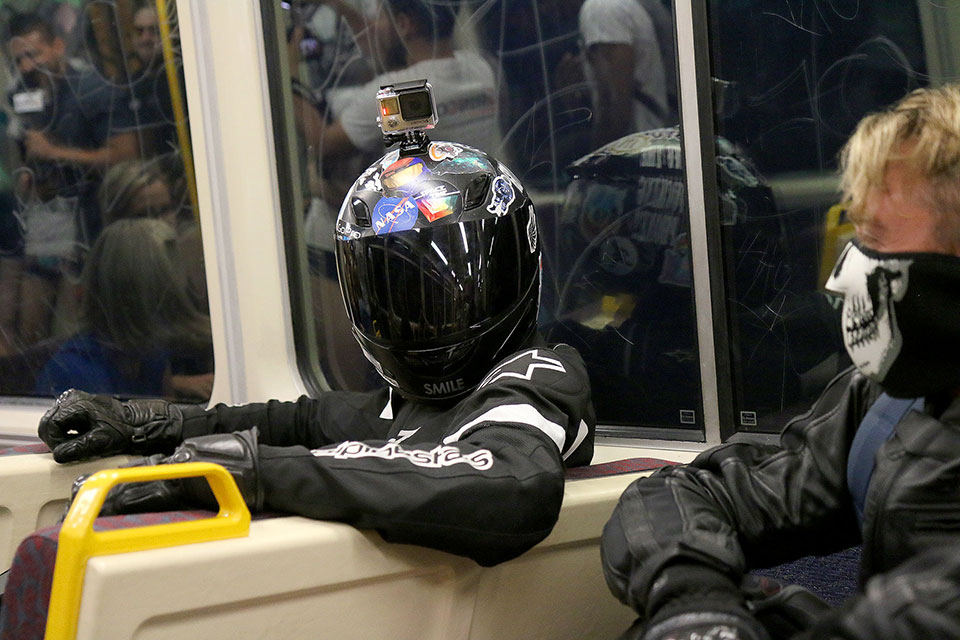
[(70, 125), (415, 38), (630, 66), (145, 189), (151, 103)]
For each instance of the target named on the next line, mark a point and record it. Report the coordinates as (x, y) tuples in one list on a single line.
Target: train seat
[(34, 491), (295, 577)]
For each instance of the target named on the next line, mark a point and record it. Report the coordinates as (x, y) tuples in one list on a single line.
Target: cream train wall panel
[(295, 578), (33, 494)]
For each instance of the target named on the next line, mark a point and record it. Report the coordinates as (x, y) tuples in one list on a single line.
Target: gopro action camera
[(406, 106)]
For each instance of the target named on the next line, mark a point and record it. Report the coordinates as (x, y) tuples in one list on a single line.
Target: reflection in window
[(101, 267), (792, 80), (623, 290), (539, 85)]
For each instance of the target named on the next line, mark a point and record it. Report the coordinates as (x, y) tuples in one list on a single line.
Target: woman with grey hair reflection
[(136, 189), (155, 189), (135, 313)]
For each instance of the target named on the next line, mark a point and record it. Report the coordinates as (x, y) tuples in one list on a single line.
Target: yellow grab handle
[(78, 542), (176, 101), (837, 230)]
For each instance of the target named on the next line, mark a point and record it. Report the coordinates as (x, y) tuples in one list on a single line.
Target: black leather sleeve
[(741, 505), (490, 498), (483, 480), (919, 599), (311, 422)]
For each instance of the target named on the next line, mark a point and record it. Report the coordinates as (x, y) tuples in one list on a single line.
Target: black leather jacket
[(743, 506)]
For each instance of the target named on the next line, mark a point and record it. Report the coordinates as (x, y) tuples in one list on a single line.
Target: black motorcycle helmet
[(439, 264)]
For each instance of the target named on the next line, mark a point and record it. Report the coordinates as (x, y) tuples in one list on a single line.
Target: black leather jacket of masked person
[(742, 506)]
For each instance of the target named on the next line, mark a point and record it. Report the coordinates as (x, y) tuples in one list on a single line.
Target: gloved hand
[(81, 425), (689, 601), (237, 452), (784, 610)]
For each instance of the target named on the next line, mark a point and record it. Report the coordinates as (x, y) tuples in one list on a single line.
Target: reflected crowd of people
[(527, 82), (553, 88), (580, 99), (101, 266)]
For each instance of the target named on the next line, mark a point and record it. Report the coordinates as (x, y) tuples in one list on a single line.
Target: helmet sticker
[(370, 179), (434, 189), (437, 199), (532, 229), (440, 151), (435, 208), (388, 159), (346, 231), (404, 174), (506, 171), (394, 214), (465, 163), (503, 195)]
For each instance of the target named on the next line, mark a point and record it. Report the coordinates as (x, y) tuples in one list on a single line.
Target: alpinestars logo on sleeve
[(436, 458), (523, 366)]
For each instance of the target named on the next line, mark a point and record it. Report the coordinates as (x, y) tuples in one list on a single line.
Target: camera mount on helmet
[(407, 111)]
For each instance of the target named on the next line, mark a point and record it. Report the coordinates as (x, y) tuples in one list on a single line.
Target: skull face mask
[(901, 318)]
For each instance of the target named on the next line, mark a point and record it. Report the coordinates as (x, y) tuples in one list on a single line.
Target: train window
[(102, 282), (791, 80), (581, 103)]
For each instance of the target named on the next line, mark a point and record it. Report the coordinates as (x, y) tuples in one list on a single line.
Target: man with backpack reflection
[(874, 462)]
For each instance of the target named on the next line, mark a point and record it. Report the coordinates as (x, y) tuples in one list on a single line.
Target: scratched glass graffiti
[(796, 77), (102, 281), (579, 99), (542, 86)]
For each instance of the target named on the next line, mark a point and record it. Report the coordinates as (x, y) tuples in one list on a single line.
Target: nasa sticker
[(394, 214), (440, 151), (502, 196), (532, 230)]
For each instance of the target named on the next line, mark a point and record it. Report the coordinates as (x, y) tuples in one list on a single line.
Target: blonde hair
[(120, 186), (135, 294), (923, 130)]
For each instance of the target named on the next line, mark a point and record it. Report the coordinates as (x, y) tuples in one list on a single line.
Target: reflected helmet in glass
[(439, 264)]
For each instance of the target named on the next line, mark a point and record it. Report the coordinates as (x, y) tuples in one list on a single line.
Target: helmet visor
[(434, 284)]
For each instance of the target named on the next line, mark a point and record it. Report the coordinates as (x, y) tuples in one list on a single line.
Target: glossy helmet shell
[(438, 256)]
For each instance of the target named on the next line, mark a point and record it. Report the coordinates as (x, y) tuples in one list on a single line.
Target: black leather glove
[(237, 452), (784, 610), (81, 425), (695, 602)]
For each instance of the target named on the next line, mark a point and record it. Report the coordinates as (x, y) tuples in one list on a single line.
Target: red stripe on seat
[(630, 465)]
